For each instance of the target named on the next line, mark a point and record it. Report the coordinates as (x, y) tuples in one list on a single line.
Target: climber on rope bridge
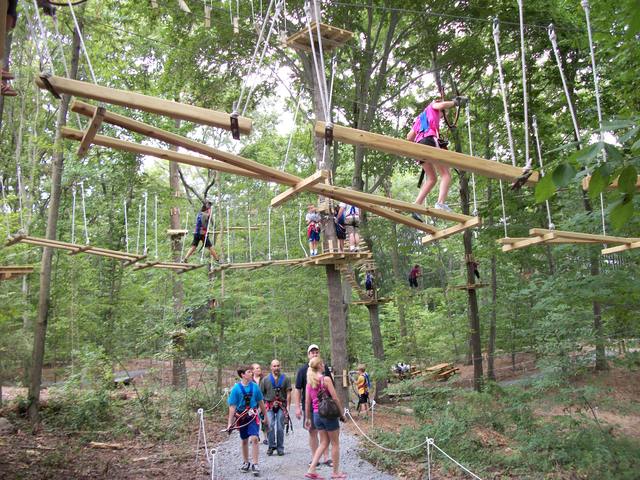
[(201, 234), (426, 131)]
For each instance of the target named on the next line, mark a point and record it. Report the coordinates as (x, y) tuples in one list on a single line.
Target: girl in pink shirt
[(430, 136)]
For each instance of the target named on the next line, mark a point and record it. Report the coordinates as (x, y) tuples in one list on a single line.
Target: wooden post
[(92, 130)]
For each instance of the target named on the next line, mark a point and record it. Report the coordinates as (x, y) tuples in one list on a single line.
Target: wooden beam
[(613, 185), (81, 250), (583, 236), (621, 248), (92, 130), (145, 103), (405, 148), (317, 177), (332, 37), (264, 172), (447, 232), (529, 241), (108, 142), (183, 6)]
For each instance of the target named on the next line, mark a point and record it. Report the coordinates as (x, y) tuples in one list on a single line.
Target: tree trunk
[(491, 347), (6, 46), (47, 254), (378, 346), (179, 368)]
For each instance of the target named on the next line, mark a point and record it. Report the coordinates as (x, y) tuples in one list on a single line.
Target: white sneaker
[(443, 206)]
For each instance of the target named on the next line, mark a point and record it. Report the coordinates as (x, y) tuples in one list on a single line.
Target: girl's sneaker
[(246, 466)]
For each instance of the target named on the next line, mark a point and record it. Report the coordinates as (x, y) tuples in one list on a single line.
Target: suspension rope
[(249, 230), (316, 63), (525, 94), (503, 89), (318, 16), (80, 36), (504, 210), (269, 231), (473, 176), (585, 6), (145, 224), (155, 221), (126, 227), (228, 238), (139, 227), (206, 235), (534, 123), (286, 245), (253, 57), (293, 130), (84, 214), (73, 214), (45, 47), (300, 230), (554, 43), (5, 207)]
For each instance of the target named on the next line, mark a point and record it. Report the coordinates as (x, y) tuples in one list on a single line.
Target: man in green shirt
[(276, 389)]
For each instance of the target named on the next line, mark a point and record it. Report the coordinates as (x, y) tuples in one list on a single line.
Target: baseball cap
[(312, 346)]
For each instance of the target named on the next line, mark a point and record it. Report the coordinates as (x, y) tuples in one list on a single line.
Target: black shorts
[(363, 399), (341, 231), (413, 282), (197, 238)]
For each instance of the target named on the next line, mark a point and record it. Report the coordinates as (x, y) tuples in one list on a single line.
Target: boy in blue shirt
[(244, 400)]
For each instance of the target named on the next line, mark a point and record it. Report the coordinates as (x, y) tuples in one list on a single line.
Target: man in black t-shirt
[(300, 394)]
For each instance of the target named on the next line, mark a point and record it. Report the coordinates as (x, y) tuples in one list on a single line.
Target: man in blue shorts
[(244, 400)]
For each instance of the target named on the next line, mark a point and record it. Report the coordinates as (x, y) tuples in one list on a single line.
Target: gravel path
[(293, 465)]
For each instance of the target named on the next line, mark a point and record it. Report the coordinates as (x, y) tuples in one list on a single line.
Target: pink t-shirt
[(312, 393), (433, 116)]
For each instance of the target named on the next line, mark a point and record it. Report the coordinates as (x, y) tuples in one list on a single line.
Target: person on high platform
[(200, 234), (426, 131)]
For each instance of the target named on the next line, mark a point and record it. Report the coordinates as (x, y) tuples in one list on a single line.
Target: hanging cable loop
[(534, 124), (73, 214), (84, 214), (525, 94), (473, 176)]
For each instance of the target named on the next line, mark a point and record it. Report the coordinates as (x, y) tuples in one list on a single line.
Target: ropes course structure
[(550, 236)]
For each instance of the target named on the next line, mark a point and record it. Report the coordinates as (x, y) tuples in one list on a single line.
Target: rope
[(126, 227), (45, 47), (293, 130), (286, 245), (431, 442), (139, 226), (554, 43), (585, 6), (269, 231), (145, 224), (534, 123), (473, 176), (321, 55), (250, 246), (525, 94), (228, 238), (80, 36), (73, 214), (210, 455), (319, 78), (204, 241), (5, 207), (300, 230), (503, 89), (255, 51), (84, 214), (382, 447), (155, 221)]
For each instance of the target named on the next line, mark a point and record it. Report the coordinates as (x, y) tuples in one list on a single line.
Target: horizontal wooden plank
[(332, 37), (145, 103), (565, 235), (621, 248), (317, 177), (447, 232), (405, 148), (527, 242), (91, 131)]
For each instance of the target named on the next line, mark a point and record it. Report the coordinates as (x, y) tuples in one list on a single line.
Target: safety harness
[(247, 415), (280, 400)]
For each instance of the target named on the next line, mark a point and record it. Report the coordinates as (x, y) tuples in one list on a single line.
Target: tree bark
[(378, 346), (47, 254)]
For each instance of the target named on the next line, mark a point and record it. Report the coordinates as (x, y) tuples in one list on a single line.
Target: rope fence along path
[(428, 442)]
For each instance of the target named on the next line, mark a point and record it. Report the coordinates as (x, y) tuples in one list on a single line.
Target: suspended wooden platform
[(470, 286), (179, 111), (73, 249), (235, 164), (337, 258), (179, 268), (405, 148), (612, 186), (373, 301), (260, 264), (621, 248), (332, 38), (545, 236), (8, 272)]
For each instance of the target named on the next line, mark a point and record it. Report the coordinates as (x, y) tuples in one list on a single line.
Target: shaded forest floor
[(107, 435)]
